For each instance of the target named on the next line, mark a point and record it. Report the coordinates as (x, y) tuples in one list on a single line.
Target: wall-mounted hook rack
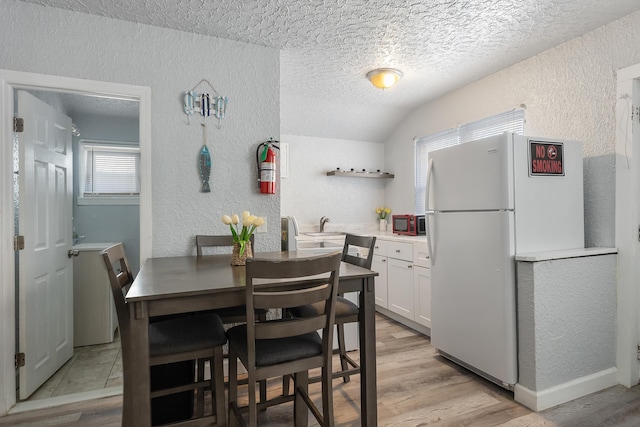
[(205, 103)]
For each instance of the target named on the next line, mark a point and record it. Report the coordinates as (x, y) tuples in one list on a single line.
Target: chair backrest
[(120, 279), (292, 293), (366, 242), (207, 241)]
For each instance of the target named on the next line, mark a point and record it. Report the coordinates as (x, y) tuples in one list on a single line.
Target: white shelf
[(361, 174)]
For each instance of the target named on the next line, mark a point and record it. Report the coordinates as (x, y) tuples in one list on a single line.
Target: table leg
[(368, 393), (136, 401)]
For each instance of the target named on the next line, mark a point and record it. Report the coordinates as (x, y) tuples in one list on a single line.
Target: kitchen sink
[(326, 234)]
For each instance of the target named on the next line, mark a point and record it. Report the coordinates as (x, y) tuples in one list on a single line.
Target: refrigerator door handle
[(432, 256), (427, 227), (426, 192)]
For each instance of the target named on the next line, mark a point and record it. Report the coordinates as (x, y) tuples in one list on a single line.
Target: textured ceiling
[(328, 46)]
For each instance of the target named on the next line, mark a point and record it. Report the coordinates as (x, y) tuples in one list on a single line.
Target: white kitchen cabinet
[(379, 264), (403, 287), (400, 287), (422, 295), (94, 315), (400, 278), (422, 283)]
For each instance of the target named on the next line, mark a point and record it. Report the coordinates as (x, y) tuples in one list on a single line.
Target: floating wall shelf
[(361, 174)]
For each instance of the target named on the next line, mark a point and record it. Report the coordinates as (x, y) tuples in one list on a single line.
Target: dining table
[(185, 284)]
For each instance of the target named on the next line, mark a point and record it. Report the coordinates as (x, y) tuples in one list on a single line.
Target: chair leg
[(217, 387), (253, 404), (300, 409), (327, 397), (286, 382), (233, 387), (200, 391), (342, 350)]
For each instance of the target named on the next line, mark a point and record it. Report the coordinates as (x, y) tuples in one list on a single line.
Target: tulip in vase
[(241, 238)]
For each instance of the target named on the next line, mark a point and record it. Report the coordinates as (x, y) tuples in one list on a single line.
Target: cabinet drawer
[(421, 255), (400, 250), (380, 247)]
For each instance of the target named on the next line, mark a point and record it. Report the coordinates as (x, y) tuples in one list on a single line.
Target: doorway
[(97, 219), (9, 81)]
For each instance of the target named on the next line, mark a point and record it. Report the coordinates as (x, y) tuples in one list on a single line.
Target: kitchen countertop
[(382, 235), (562, 254)]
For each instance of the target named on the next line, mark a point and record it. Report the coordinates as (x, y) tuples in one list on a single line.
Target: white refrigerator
[(487, 201)]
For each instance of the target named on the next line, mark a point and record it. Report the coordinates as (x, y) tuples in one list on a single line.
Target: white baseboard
[(545, 399)]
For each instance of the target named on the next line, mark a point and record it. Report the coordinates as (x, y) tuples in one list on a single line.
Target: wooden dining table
[(185, 284)]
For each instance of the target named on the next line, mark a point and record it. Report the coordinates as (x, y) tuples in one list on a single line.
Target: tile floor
[(90, 368)]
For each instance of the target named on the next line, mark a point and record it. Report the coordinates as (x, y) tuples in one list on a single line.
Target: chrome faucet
[(323, 220)]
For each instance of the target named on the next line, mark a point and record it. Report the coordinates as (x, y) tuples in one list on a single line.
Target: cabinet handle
[(397, 251), (410, 266)]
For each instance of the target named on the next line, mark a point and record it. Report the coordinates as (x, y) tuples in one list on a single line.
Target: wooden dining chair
[(229, 315), (346, 311), (189, 337), (212, 241), (274, 348)]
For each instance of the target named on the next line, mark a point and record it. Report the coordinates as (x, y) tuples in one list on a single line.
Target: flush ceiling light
[(384, 78)]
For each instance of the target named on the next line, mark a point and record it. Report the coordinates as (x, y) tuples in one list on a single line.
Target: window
[(510, 121), (109, 173)]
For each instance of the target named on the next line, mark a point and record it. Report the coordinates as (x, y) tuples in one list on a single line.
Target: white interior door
[(45, 271)]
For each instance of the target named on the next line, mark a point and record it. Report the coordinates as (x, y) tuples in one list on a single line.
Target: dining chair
[(188, 337), (274, 348), (346, 311), (229, 315), (212, 241)]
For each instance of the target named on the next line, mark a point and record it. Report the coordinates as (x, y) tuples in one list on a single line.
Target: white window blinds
[(109, 170), (510, 121)]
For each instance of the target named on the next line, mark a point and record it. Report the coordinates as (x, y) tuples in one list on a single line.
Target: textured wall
[(567, 320), (569, 93), (53, 41), (309, 193)]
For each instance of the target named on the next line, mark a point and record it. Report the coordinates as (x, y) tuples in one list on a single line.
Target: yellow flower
[(249, 225), (383, 212)]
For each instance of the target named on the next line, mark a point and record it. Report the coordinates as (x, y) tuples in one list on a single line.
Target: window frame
[(509, 121), (105, 198)]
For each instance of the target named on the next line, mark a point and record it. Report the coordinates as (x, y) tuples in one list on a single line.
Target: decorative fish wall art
[(207, 105), (204, 163)]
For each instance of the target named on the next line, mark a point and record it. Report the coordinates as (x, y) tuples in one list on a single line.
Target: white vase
[(383, 225)]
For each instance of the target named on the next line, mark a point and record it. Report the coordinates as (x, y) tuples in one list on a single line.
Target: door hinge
[(18, 243), (20, 360), (18, 124), (638, 351)]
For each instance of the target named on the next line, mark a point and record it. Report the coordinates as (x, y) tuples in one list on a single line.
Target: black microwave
[(408, 224)]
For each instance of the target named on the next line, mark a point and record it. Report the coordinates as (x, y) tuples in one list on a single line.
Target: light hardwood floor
[(416, 387)]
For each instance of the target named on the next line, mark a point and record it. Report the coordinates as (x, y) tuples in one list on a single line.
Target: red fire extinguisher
[(267, 167)]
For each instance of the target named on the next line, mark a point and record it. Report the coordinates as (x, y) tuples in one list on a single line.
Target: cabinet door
[(400, 287), (422, 294), (380, 247), (379, 264), (400, 250)]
